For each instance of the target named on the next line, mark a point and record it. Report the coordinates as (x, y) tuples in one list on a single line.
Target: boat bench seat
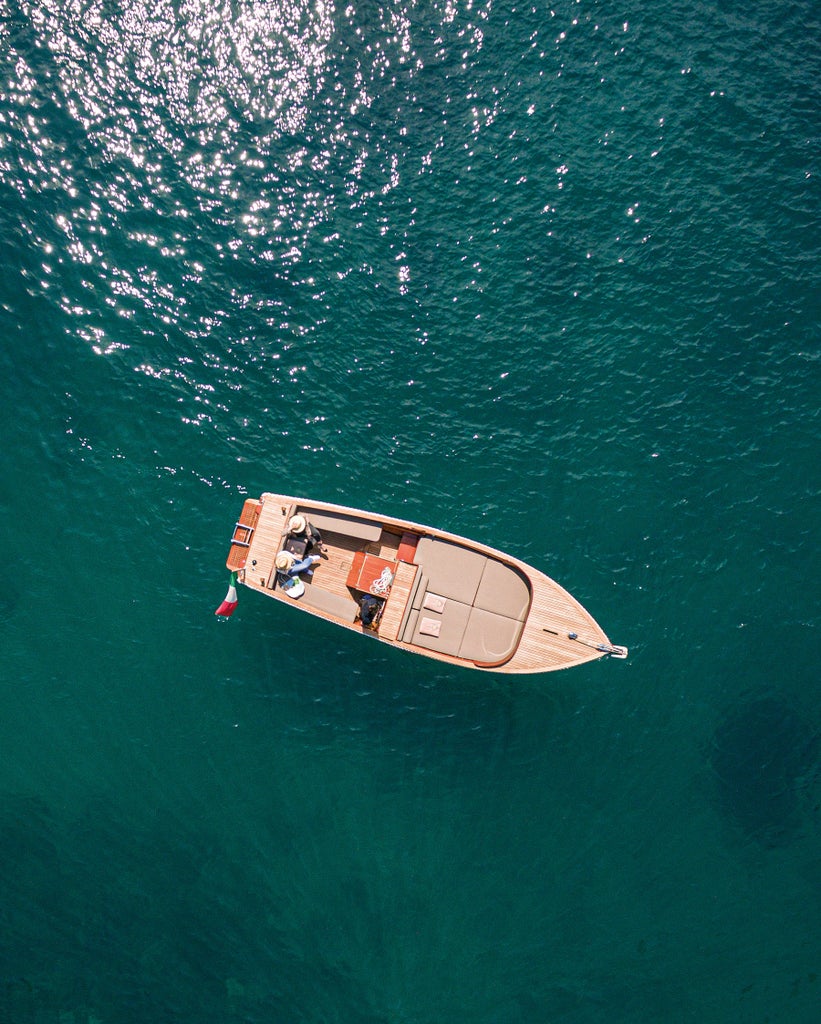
[(344, 608), (341, 522)]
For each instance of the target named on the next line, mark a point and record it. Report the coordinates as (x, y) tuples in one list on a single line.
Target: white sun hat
[(294, 587)]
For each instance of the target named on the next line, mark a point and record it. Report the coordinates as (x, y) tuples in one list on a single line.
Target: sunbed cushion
[(452, 571), (409, 626), (453, 621), (489, 637), (434, 602), (503, 590)]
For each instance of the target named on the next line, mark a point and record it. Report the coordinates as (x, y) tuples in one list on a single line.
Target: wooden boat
[(439, 594)]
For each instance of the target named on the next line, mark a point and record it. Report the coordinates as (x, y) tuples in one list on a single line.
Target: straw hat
[(297, 524), (284, 560)]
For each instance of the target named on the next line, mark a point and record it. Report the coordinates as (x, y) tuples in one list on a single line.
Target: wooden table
[(371, 574)]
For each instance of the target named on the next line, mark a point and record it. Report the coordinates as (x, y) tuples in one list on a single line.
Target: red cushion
[(407, 547)]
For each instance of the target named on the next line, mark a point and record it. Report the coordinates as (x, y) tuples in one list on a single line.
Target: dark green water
[(545, 277)]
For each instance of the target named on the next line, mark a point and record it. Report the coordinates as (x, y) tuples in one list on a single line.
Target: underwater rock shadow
[(764, 754)]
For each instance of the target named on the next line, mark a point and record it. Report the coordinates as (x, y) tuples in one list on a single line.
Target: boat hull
[(441, 595)]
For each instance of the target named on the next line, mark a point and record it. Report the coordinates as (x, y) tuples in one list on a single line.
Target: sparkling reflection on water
[(157, 142), (262, 110)]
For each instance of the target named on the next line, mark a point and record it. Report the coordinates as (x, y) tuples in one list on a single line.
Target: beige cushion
[(503, 590), (453, 571), (452, 626), (341, 522), (340, 607), (419, 589), (490, 637), (430, 627), (409, 627)]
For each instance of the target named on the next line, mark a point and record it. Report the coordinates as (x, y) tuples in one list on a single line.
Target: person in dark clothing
[(369, 609), (301, 528)]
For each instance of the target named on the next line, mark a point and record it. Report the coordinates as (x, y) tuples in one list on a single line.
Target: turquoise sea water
[(545, 276)]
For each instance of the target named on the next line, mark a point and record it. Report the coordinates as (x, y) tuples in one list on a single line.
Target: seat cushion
[(503, 590), (453, 571), (453, 621), (340, 607), (490, 637), (342, 522), (407, 547)]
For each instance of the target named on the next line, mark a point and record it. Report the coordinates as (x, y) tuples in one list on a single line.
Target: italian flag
[(229, 604)]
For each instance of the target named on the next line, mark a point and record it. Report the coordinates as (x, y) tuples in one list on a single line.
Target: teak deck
[(558, 632)]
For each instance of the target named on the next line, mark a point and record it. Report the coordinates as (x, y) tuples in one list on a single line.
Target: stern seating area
[(343, 607), (340, 606), (465, 604), (341, 522)]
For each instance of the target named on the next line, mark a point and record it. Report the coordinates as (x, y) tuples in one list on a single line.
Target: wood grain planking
[(555, 610), (397, 600), (332, 572), (243, 531), (265, 544), (552, 608)]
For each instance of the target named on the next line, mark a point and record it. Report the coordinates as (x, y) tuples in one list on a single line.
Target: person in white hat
[(288, 566), (284, 561), (299, 526)]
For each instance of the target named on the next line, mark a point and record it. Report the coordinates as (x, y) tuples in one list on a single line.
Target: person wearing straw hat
[(285, 561), (298, 526), (289, 567), (290, 585)]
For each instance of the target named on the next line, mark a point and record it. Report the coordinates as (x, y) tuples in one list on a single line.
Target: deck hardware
[(614, 650)]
